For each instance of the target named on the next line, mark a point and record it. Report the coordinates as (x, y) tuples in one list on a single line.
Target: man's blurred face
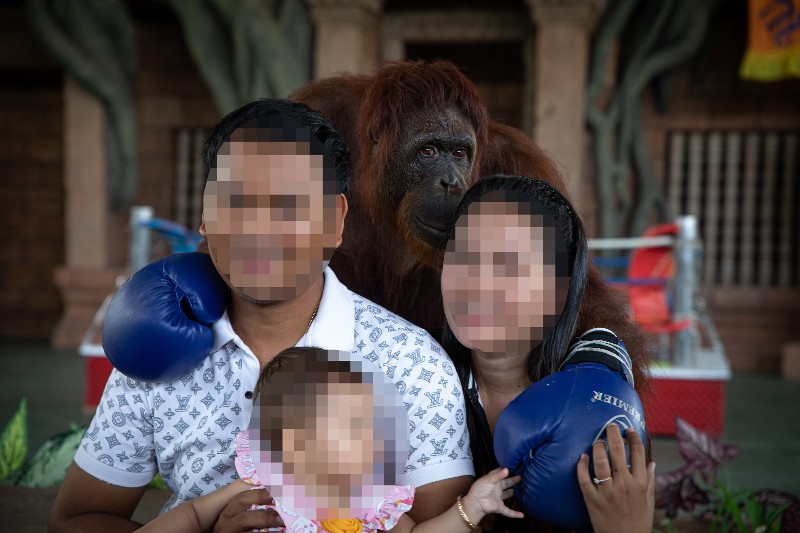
[(269, 224)]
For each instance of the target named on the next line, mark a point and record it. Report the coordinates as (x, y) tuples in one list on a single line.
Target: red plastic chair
[(654, 268)]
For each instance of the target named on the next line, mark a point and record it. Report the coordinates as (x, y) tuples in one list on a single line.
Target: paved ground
[(762, 417)]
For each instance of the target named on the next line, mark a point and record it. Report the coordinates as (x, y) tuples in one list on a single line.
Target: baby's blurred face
[(500, 286), (325, 446), (267, 218), (338, 446)]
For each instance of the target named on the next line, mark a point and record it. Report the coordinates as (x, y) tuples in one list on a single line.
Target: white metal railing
[(685, 345)]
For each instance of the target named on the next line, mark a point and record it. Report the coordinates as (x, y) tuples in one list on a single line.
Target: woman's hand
[(623, 500), (487, 494)]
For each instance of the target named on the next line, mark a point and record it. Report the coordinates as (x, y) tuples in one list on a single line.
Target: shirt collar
[(223, 333), (333, 327)]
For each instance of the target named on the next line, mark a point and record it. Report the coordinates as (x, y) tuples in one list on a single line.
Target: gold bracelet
[(463, 514)]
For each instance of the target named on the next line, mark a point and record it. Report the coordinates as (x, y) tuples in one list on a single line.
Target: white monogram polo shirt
[(186, 429)]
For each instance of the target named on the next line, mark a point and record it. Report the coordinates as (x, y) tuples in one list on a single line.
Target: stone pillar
[(86, 279), (346, 36), (561, 50)]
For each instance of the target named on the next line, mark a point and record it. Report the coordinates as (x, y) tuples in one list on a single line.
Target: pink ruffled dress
[(383, 516)]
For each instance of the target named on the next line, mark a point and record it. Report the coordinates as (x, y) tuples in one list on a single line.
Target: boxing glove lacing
[(606, 353)]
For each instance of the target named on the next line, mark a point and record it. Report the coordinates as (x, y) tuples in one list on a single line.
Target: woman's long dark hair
[(544, 358)]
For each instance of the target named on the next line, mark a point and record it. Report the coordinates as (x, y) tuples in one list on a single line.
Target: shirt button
[(248, 394)]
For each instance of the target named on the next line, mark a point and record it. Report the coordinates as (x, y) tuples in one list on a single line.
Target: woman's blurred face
[(499, 283)]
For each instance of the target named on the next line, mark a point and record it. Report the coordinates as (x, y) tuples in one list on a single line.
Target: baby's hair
[(314, 359)]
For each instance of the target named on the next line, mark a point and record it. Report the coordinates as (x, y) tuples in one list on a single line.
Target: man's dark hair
[(272, 120)]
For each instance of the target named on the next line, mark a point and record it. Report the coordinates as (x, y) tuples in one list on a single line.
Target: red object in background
[(698, 400), (649, 305), (696, 395), (98, 368)]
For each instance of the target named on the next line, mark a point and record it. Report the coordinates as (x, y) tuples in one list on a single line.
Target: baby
[(328, 437)]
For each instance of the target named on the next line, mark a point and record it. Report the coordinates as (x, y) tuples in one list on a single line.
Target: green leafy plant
[(47, 467), (157, 483), (747, 510), (14, 443), (668, 526)]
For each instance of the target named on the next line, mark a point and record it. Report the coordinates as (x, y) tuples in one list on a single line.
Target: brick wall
[(169, 94), (31, 181), (753, 323)]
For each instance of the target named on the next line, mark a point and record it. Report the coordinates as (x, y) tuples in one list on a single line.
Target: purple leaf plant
[(693, 485), (701, 451), (703, 454)]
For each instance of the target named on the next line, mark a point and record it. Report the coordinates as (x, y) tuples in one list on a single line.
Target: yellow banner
[(773, 41)]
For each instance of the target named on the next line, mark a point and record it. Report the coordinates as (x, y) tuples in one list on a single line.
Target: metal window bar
[(743, 188), (712, 205), (787, 247), (747, 218)]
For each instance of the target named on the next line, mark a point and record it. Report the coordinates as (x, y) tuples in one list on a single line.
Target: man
[(274, 211)]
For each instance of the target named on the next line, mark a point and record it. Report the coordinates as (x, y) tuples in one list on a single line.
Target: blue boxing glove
[(158, 326), (543, 432)]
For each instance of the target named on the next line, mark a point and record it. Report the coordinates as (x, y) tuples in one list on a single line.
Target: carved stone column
[(563, 30), (347, 36), (86, 279)]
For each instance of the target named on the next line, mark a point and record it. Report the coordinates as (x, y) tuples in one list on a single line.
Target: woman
[(513, 280)]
